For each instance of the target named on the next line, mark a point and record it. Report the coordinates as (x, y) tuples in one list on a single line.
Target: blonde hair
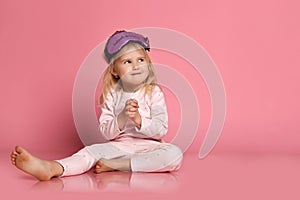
[(110, 82)]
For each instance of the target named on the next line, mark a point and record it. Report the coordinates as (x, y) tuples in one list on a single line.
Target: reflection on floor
[(111, 181), (218, 176)]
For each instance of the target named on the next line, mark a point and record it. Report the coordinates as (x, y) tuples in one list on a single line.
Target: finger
[(131, 106), (132, 102), (131, 115), (136, 103), (132, 109), (128, 107), (129, 101), (134, 106)]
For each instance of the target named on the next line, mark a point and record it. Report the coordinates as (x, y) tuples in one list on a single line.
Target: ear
[(114, 73)]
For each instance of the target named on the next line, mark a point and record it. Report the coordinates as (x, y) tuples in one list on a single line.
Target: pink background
[(255, 45)]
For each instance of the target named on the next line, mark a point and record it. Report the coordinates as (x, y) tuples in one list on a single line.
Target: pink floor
[(218, 176)]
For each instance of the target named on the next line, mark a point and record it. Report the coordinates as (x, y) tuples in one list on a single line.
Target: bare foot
[(41, 169), (103, 166), (108, 165)]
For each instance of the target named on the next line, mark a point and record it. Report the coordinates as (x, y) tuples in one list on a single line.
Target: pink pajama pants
[(145, 156)]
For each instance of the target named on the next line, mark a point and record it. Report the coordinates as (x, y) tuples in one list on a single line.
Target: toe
[(14, 152), (13, 161), (13, 155), (97, 170), (99, 163), (19, 149), (13, 158)]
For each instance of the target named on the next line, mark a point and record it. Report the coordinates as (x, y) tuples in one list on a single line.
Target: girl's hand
[(131, 110)]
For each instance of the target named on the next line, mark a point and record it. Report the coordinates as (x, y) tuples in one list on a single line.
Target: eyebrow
[(125, 59)]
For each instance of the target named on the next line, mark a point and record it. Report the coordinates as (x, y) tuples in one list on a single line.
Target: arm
[(109, 127), (155, 126)]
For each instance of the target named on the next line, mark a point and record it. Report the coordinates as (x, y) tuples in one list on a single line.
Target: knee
[(175, 151), (175, 156)]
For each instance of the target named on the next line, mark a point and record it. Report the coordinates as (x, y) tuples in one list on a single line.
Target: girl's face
[(131, 67)]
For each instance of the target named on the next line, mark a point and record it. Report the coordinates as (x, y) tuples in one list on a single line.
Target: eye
[(141, 60), (127, 62)]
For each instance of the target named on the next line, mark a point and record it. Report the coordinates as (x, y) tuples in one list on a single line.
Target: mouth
[(135, 73)]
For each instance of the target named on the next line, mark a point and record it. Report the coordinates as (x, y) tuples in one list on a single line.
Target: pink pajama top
[(153, 111)]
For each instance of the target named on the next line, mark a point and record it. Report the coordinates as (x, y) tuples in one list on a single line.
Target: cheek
[(145, 68), (123, 71)]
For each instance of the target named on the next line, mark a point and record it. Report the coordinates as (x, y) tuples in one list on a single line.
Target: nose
[(135, 65)]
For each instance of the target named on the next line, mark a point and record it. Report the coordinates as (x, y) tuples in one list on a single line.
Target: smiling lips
[(135, 73)]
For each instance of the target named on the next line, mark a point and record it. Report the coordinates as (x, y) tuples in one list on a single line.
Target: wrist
[(121, 119), (138, 121)]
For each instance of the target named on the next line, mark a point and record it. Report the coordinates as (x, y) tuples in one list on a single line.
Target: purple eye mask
[(119, 39)]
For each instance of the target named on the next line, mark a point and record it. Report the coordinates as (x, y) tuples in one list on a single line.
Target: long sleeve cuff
[(149, 129)]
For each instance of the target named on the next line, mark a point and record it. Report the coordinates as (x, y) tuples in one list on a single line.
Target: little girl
[(133, 119)]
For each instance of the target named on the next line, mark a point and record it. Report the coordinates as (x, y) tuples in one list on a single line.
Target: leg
[(109, 158), (166, 158), (40, 169), (78, 163)]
